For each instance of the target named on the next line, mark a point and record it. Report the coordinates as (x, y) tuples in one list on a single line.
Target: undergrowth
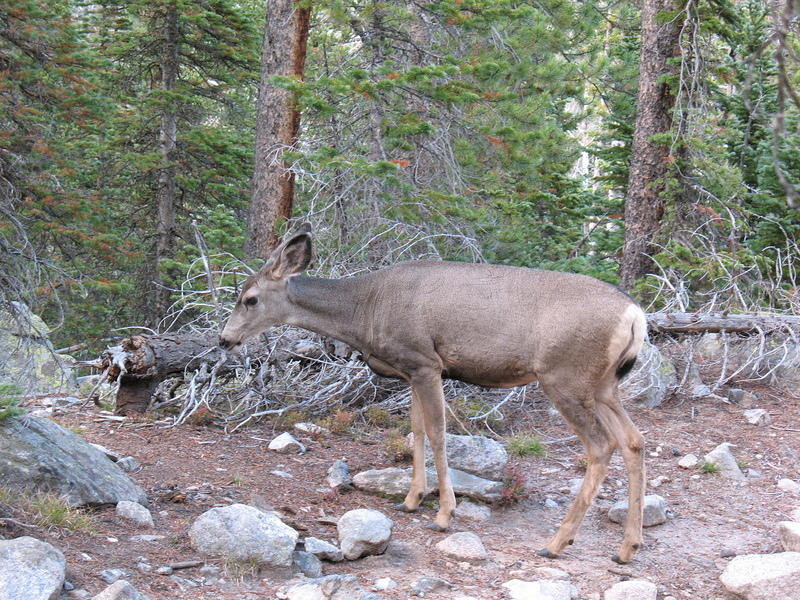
[(45, 509)]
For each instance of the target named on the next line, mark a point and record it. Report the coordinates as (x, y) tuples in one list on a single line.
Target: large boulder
[(331, 587), (244, 533), (763, 576), (39, 455), (363, 532), (30, 570), (652, 380), (27, 357), (396, 482), (474, 454)]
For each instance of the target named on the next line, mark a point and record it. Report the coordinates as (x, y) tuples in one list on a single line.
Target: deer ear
[(292, 256)]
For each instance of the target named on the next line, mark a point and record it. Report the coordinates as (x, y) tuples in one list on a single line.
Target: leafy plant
[(708, 467), (9, 400), (526, 445), (514, 489)]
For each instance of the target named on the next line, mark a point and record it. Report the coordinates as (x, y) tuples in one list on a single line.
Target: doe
[(494, 326)]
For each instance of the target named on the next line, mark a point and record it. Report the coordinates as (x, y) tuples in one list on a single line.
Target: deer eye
[(251, 301)]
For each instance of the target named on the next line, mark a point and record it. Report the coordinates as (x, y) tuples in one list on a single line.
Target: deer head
[(263, 301)]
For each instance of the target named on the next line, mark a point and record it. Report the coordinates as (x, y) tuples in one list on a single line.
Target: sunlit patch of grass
[(526, 445), (46, 509), (708, 467)]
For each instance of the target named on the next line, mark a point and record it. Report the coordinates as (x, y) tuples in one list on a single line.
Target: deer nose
[(223, 343)]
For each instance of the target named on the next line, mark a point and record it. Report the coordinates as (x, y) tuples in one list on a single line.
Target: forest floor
[(187, 470)]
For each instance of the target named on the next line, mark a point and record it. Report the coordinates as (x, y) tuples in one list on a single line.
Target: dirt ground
[(189, 469)]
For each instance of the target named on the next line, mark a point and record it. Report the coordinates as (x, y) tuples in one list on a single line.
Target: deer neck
[(332, 307)]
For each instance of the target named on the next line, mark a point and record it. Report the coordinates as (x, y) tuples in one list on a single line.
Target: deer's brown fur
[(493, 326)]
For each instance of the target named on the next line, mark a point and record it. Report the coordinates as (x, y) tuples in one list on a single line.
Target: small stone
[(282, 474), (659, 481), (311, 429), (164, 571), (725, 461), (550, 573), (790, 535), (363, 532), (757, 416), (472, 511), (384, 583), (308, 564), (790, 486), (339, 475), (286, 444), (575, 485), (112, 575), (322, 549), (129, 464), (426, 585), (655, 511), (634, 589), (143, 567), (135, 512), (688, 462), (120, 590), (68, 587), (110, 454), (540, 590), (550, 503), (146, 537), (741, 397), (463, 546)]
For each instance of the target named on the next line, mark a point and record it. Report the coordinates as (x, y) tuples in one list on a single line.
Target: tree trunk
[(277, 123), (165, 230), (650, 159), (715, 322)]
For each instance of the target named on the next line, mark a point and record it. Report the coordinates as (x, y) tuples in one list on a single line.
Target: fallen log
[(142, 362), (715, 322)]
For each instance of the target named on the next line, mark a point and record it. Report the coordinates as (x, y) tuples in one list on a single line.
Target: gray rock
[(741, 397), (164, 571), (322, 549), (30, 570), (120, 590), (311, 429), (790, 535), (474, 454), (331, 587), (78, 594), (112, 575), (308, 564), (363, 532), (763, 576), (242, 532), (652, 380), (129, 464), (111, 454), (463, 546), (655, 511), (725, 461), (339, 475), (286, 444), (690, 461), (210, 574), (38, 454), (789, 485), (757, 416), (27, 358), (135, 512), (426, 585), (474, 512), (541, 590), (396, 481), (384, 583), (693, 384), (634, 589), (146, 537)]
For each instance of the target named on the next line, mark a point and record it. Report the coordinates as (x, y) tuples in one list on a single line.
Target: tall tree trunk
[(277, 124), (650, 160), (165, 231)]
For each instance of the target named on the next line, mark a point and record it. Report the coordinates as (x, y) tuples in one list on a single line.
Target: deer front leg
[(418, 481), (428, 389)]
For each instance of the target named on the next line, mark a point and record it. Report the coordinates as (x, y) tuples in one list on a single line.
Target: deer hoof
[(546, 553), (436, 527), (401, 506)]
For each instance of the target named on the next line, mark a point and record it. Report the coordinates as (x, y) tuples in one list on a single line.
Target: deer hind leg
[(599, 446), (631, 444), (429, 393), (418, 483)]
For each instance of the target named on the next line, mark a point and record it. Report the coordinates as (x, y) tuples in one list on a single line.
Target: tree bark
[(166, 190), (752, 323), (650, 159), (277, 123)]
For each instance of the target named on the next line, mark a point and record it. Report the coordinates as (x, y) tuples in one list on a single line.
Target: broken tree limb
[(142, 362), (713, 322)]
